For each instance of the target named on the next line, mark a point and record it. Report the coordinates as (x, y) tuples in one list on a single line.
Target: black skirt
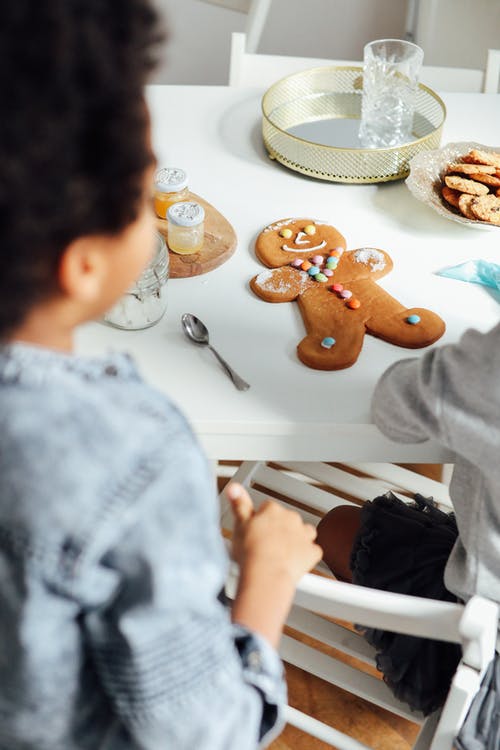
[(404, 548)]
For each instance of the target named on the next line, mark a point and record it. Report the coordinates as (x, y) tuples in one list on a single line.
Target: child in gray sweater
[(450, 395)]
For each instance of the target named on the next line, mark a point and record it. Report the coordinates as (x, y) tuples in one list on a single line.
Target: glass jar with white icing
[(170, 186), (186, 227), (145, 303)]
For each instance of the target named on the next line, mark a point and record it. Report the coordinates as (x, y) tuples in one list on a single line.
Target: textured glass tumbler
[(391, 68)]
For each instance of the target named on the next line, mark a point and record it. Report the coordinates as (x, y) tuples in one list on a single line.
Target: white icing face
[(304, 239), (307, 247)]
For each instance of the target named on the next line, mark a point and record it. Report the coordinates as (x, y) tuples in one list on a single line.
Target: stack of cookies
[(472, 185)]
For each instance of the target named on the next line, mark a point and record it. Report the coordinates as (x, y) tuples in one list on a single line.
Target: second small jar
[(171, 186), (186, 229)]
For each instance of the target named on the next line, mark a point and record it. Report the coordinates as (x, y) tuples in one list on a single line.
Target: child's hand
[(273, 539)]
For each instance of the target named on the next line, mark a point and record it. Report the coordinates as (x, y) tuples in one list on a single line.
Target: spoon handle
[(240, 384)]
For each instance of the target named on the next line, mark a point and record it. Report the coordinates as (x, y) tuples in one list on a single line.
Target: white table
[(292, 412)]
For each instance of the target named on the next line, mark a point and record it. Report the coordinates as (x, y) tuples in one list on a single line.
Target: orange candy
[(306, 265), (335, 254), (353, 303)]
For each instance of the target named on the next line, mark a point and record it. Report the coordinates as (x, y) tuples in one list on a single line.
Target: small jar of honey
[(170, 186), (186, 227)]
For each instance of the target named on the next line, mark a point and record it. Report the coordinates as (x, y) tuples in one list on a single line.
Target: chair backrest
[(247, 68), (251, 69), (313, 488), (492, 75)]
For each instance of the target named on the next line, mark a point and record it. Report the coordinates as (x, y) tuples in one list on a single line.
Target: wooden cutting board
[(219, 245)]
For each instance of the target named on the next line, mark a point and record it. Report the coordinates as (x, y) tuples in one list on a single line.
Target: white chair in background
[(251, 69), (492, 76), (314, 488), (247, 68)]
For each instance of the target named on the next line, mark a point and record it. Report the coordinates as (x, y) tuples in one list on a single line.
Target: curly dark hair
[(73, 133)]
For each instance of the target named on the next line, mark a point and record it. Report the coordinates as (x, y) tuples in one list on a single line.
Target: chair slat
[(343, 481), (331, 634), (346, 677), (301, 492), (322, 731)]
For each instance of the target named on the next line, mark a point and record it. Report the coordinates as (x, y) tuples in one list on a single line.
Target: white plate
[(425, 179)]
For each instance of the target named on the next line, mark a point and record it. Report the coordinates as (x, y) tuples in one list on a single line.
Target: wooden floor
[(363, 721), (377, 728)]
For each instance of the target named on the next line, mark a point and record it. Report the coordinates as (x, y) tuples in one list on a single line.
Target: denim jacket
[(112, 636)]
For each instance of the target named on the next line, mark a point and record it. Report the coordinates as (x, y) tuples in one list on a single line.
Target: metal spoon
[(198, 332)]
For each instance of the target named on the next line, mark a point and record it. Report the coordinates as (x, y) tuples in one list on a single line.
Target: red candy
[(337, 287)]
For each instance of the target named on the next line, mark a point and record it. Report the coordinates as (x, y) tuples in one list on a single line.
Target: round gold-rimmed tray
[(324, 94)]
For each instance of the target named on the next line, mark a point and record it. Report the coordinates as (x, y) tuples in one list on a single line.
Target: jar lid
[(170, 179), (186, 214)]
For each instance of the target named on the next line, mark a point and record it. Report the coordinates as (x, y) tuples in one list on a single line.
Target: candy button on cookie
[(286, 233), (306, 265), (297, 262), (413, 319), (337, 288), (346, 294), (320, 277), (353, 303), (313, 270), (318, 260), (310, 229), (328, 342), (328, 272)]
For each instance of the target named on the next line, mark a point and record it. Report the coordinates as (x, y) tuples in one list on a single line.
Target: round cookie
[(484, 157), (472, 168), (486, 208), (464, 205), (487, 179), (451, 196), (465, 186), (275, 245)]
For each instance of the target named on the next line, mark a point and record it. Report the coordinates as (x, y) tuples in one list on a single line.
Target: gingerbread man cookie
[(336, 292)]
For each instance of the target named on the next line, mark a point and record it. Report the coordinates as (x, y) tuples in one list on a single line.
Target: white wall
[(458, 32), (451, 32), (198, 51)]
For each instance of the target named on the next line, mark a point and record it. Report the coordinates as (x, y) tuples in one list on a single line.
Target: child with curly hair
[(111, 563)]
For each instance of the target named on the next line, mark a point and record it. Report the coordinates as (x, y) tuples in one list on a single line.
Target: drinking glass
[(390, 79)]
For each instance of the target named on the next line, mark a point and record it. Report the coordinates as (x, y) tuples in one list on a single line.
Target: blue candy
[(313, 270), (328, 342), (413, 319)]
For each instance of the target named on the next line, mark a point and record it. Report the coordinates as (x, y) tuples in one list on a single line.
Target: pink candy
[(328, 272), (346, 294), (297, 262), (318, 260)]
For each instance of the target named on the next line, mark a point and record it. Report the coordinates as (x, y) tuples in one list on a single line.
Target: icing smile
[(300, 250)]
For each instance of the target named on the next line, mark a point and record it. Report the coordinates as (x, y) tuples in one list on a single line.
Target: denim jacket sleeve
[(178, 672)]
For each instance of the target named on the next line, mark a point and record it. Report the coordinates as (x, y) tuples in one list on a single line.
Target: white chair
[(314, 488), (251, 69), (247, 68), (492, 75)]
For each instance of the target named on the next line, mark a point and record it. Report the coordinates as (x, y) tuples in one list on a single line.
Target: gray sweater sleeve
[(442, 396)]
